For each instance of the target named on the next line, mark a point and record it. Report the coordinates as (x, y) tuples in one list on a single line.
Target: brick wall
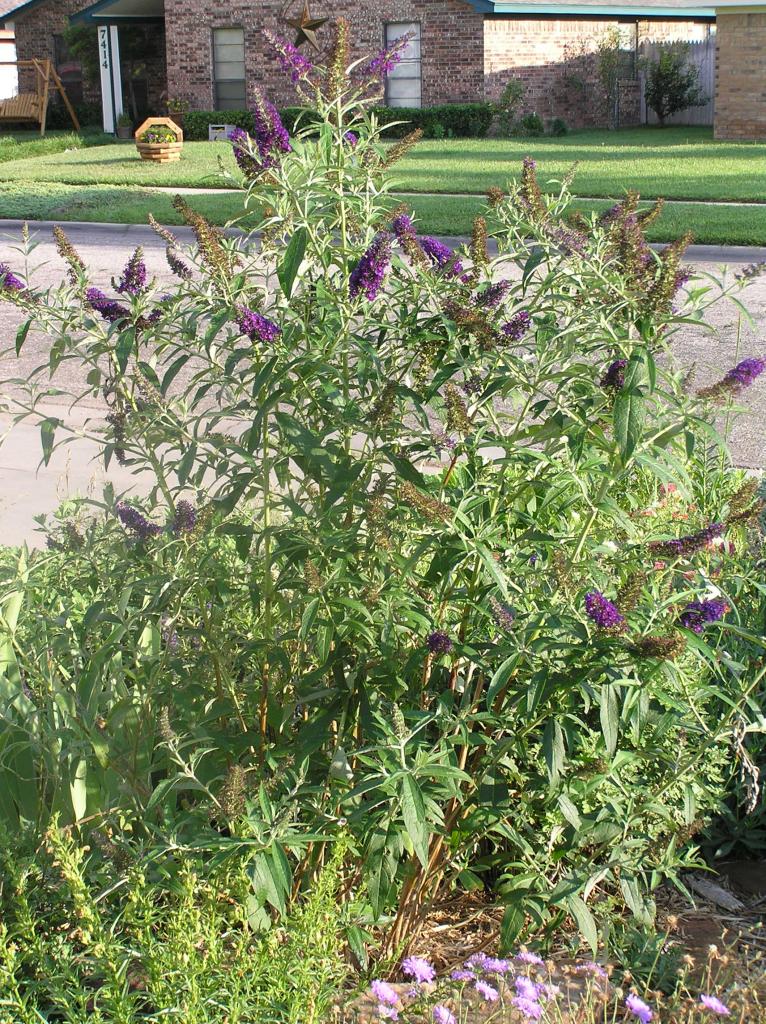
[(740, 96), (555, 61), (451, 43)]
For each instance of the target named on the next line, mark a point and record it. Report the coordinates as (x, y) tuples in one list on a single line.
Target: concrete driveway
[(28, 489)]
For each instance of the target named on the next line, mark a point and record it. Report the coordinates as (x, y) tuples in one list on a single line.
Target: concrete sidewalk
[(27, 490)]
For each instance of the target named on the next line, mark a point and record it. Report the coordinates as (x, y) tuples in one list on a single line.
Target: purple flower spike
[(351, 138), (367, 276), (110, 310), (699, 614), (257, 327), (402, 226), (601, 611), (135, 521), (384, 62), (384, 992), (419, 969), (715, 1005), (639, 1009), (186, 517), (489, 994), (614, 378), (492, 296), (133, 280), (8, 280), (744, 373), (440, 255), (439, 642), (517, 326), (290, 58)]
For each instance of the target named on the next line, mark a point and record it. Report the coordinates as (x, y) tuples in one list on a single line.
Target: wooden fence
[(702, 54)]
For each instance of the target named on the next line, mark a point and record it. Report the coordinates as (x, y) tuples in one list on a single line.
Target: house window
[(403, 84), (229, 68), (69, 69)]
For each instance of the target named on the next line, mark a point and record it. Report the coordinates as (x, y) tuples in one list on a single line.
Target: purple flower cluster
[(402, 226), (517, 326), (527, 998), (502, 614), (135, 521), (257, 327), (601, 611), (269, 136), (715, 1005), (186, 517), (290, 58), (109, 309), (442, 1015), (683, 547), (351, 138), (439, 642), (473, 385), (743, 374), (133, 280), (442, 441), (699, 614), (491, 297), (440, 254), (639, 1009), (614, 378), (367, 276), (418, 969), (241, 144), (384, 62), (8, 280)]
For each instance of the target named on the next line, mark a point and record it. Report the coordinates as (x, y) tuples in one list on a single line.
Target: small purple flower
[(419, 969), (486, 991), (744, 373), (439, 642), (241, 145), (384, 992), (387, 1012), (591, 967), (186, 517), (504, 618), (257, 327), (614, 378), (440, 254), (492, 296), (290, 58), (517, 326), (492, 965), (402, 226), (525, 957), (476, 961), (601, 611), (351, 138), (110, 310), (135, 521), (684, 546), (639, 1009), (133, 280), (367, 276), (462, 975), (444, 1016), (525, 988), (699, 614), (683, 276), (715, 1005), (384, 62), (8, 280), (269, 135), (529, 1007)]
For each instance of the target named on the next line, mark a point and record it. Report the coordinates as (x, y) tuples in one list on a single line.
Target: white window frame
[(226, 103), (410, 67)]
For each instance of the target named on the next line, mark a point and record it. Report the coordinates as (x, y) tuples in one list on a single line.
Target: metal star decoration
[(306, 27)]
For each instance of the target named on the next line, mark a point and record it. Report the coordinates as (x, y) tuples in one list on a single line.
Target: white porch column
[(111, 77)]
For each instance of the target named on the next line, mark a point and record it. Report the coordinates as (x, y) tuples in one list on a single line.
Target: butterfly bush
[(383, 490)]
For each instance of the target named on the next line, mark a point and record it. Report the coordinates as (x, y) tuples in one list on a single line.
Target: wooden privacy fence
[(702, 54)]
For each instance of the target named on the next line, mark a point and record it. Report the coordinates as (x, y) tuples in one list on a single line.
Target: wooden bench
[(33, 106)]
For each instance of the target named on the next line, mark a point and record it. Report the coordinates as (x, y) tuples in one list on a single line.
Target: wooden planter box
[(160, 152)]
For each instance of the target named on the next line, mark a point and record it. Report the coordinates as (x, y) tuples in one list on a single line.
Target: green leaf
[(48, 429), (21, 335), (287, 271), (630, 406), (585, 921), (553, 749), (125, 345), (414, 814), (501, 677), (610, 717), (513, 922)]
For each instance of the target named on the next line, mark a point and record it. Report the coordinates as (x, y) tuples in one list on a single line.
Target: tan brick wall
[(451, 43), (740, 96)]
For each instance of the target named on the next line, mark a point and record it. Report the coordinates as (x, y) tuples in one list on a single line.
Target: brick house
[(213, 55)]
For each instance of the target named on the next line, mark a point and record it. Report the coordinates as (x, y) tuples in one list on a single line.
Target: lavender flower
[(639, 1009), (699, 614), (8, 280), (492, 965), (367, 276), (419, 969), (440, 255), (257, 327), (463, 975), (442, 441), (570, 241), (387, 1012), (683, 547), (133, 280), (384, 62), (517, 326), (601, 610), (503, 615), (135, 521), (439, 642), (492, 296), (402, 226), (715, 1005), (751, 271), (290, 58), (591, 967), (444, 1016), (269, 135), (529, 1007), (351, 138), (525, 957), (614, 378), (186, 517), (736, 380), (476, 961), (177, 265), (486, 991), (525, 988), (384, 992), (110, 310), (241, 144)]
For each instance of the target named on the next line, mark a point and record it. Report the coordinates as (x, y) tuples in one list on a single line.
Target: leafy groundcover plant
[(438, 551)]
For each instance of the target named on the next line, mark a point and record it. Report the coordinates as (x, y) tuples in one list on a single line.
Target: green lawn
[(678, 163), (17, 146), (437, 215)]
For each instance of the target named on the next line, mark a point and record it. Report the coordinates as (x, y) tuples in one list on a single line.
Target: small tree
[(608, 64), (672, 82)]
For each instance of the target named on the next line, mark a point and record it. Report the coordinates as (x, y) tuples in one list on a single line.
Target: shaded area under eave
[(120, 12)]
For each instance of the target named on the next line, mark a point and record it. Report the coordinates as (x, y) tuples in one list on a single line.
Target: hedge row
[(450, 119)]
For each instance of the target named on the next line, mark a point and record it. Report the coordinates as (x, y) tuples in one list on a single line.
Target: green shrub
[(672, 82), (558, 127), (197, 122), (429, 555), (508, 104), (531, 125), (458, 120), (88, 114)]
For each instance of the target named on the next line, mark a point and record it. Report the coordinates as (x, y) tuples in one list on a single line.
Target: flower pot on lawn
[(124, 131), (159, 139)]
